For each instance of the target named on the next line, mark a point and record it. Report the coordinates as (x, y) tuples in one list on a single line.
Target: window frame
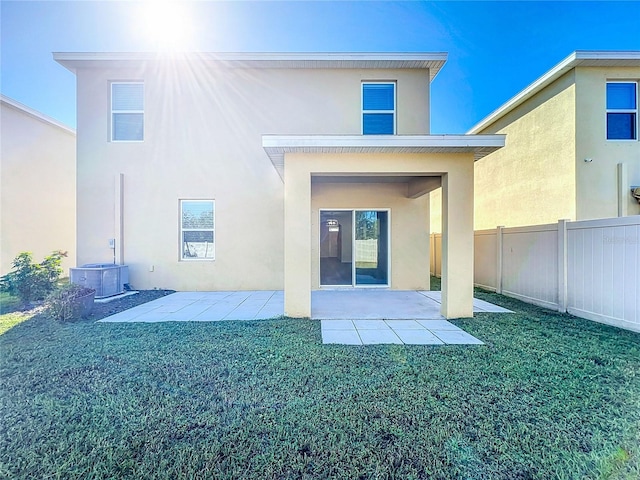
[(633, 111), (363, 112), (181, 251), (113, 111)]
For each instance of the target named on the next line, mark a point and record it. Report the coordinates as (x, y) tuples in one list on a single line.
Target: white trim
[(393, 112), (621, 110), (433, 61), (277, 145), (578, 58), (320, 210), (34, 113), (113, 112), (353, 250), (181, 257), (255, 56), (353, 246), (381, 142)]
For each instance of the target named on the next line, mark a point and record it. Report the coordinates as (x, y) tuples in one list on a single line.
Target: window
[(378, 108), (622, 110), (127, 112), (197, 230)]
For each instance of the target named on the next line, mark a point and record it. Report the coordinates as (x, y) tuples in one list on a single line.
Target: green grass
[(10, 314), (548, 396), (8, 303), (11, 319)]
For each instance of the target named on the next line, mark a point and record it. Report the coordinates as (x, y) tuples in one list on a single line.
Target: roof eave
[(36, 114), (432, 61), (276, 146), (577, 58)]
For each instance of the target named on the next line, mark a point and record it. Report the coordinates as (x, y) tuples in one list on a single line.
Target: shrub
[(31, 281), (65, 304)]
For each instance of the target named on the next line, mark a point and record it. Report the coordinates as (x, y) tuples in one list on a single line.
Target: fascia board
[(432, 61), (384, 142)]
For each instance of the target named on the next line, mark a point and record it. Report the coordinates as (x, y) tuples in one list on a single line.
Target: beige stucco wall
[(531, 180), (37, 184), (203, 128), (409, 220), (597, 181), (456, 170)]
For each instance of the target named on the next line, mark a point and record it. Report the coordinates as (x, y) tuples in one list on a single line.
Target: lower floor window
[(197, 231)]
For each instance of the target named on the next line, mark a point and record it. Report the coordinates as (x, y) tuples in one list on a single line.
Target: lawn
[(548, 396)]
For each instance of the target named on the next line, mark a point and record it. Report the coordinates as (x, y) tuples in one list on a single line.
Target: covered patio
[(334, 173)]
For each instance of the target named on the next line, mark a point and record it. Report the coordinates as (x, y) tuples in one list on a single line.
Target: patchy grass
[(8, 303), (10, 320), (548, 396), (10, 313)]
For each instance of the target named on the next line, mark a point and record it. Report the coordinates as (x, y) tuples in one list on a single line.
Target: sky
[(495, 49)]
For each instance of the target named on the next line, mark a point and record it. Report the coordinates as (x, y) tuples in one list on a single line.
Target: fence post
[(437, 269), (499, 230), (562, 265), (432, 256)]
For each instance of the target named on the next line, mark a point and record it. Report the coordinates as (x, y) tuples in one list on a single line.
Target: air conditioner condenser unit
[(105, 278)]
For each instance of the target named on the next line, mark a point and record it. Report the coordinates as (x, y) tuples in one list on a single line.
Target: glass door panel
[(371, 249), (336, 238)]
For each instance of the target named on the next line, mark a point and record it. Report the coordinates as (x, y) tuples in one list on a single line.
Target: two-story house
[(268, 171), (572, 149)]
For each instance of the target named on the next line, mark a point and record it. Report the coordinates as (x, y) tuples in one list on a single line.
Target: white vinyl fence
[(367, 251), (590, 269)]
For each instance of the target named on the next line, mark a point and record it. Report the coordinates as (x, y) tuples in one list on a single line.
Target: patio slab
[(349, 317), (409, 332), (372, 304)]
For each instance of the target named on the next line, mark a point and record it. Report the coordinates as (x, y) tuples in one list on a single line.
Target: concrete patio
[(353, 317)]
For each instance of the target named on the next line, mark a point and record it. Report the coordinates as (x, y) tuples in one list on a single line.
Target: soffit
[(432, 61), (276, 146)]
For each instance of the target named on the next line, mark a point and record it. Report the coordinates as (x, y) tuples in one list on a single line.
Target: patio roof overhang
[(276, 146)]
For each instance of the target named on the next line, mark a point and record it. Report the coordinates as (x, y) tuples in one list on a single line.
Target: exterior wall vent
[(107, 279)]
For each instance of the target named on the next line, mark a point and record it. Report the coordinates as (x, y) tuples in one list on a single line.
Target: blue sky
[(495, 48)]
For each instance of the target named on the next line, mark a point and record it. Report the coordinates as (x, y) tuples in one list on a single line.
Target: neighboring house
[(37, 185), (572, 149), (271, 171)]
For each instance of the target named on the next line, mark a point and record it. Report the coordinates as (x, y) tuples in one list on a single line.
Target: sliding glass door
[(371, 251), (354, 248)]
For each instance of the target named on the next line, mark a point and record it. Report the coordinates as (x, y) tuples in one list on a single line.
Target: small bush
[(31, 281), (64, 304)]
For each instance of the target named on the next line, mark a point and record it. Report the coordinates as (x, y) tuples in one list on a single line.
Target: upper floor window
[(622, 110), (378, 108), (197, 234), (127, 111)]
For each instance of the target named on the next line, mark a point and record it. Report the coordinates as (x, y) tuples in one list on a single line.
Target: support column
[(297, 241), (457, 242)]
